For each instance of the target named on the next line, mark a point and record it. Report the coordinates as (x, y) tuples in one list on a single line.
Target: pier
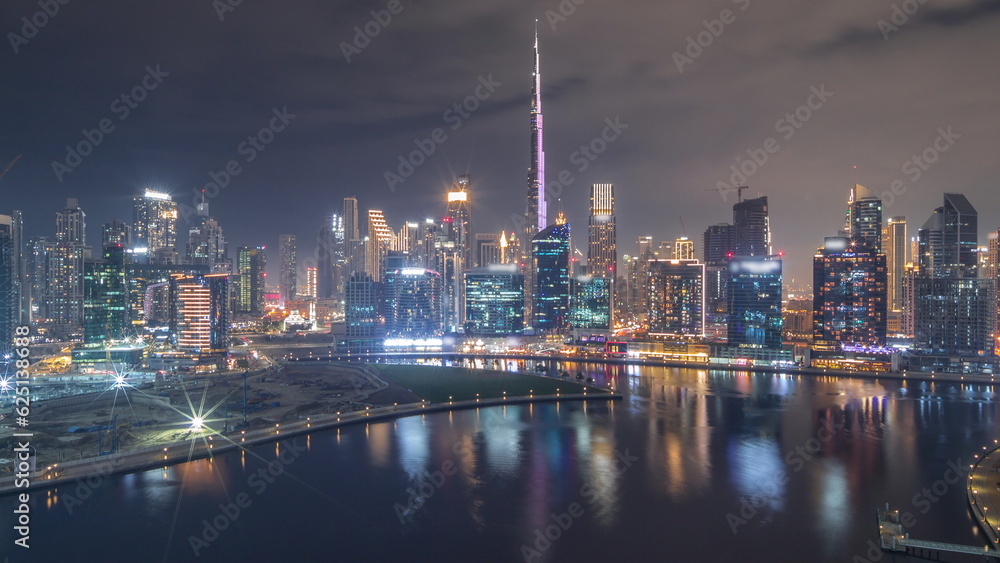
[(893, 537)]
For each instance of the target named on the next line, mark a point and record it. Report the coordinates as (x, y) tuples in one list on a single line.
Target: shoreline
[(205, 446), (932, 377), (979, 495)]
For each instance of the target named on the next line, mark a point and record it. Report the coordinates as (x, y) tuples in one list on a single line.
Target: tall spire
[(537, 218)]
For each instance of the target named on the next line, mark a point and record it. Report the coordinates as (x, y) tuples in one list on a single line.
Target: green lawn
[(437, 384)]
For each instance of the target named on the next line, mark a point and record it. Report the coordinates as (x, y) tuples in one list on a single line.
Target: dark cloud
[(606, 60)]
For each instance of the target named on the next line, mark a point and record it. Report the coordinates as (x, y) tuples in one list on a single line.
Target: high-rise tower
[(602, 254), (460, 215), (864, 218), (536, 218), (288, 274)]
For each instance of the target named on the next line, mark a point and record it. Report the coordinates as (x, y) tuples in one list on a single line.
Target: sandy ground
[(281, 393)]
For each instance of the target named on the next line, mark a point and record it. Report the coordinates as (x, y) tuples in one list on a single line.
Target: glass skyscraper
[(494, 301), (550, 253), (106, 310), (413, 303), (592, 297), (754, 302), (752, 227)]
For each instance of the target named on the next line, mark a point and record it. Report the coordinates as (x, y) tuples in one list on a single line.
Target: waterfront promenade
[(208, 443), (984, 493)]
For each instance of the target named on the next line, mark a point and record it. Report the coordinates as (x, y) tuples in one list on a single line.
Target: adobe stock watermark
[(786, 127), (84, 487), (583, 157), (249, 149), (923, 500), (795, 461), (899, 17), (225, 7), (231, 511), (545, 537), (455, 116), (430, 482), (915, 167), (31, 25), (698, 43), (563, 11), (365, 33), (122, 107)]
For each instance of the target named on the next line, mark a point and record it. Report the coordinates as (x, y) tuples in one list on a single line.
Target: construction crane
[(9, 166), (739, 191)]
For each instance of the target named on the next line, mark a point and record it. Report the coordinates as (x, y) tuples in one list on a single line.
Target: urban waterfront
[(692, 465)]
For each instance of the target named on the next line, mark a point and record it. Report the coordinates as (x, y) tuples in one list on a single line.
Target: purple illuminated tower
[(535, 217)]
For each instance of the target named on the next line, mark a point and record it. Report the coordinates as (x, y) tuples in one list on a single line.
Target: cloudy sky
[(691, 112)]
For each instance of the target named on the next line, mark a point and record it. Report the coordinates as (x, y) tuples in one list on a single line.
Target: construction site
[(121, 417)]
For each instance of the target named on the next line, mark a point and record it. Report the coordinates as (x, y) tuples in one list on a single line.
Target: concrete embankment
[(210, 444)]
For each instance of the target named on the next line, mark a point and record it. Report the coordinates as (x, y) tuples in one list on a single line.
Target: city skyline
[(647, 162)]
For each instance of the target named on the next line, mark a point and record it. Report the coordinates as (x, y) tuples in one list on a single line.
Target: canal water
[(693, 465)]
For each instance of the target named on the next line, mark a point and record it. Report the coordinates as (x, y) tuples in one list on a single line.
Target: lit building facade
[(550, 253), (154, 227), (106, 310), (199, 313), (849, 295), (895, 246), (413, 303), (676, 297), (602, 251), (252, 263), (288, 273), (592, 309), (754, 291), (494, 301)]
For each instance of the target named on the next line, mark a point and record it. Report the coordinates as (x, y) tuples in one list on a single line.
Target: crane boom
[(9, 166)]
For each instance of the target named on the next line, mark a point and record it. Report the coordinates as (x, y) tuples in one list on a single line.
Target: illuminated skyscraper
[(154, 227), (684, 249), (864, 219), (413, 303), (954, 311), (754, 303), (361, 314), (252, 262), (460, 214), (487, 249), (550, 284), (602, 251), (206, 244), (199, 313), (849, 295), (381, 240), (676, 297), (354, 241), (310, 289), (106, 310), (895, 247), (494, 301), (288, 272), (592, 304), (8, 284), (536, 218), (71, 224), (116, 233), (752, 227)]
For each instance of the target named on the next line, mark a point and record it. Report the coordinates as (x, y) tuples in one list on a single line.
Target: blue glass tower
[(753, 293), (550, 287)]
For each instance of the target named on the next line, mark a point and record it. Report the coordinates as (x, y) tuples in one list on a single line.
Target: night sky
[(893, 89)]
